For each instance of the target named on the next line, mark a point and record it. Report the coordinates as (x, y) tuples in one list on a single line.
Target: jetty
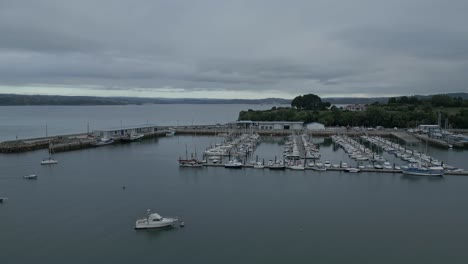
[(85, 140), (247, 166), (407, 138)]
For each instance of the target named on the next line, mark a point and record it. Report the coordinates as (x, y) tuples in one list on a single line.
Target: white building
[(123, 131), (273, 125), (314, 126)]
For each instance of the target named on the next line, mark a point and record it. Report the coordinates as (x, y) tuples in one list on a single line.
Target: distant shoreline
[(50, 100)]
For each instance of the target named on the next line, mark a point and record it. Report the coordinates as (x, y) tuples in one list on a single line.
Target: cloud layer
[(245, 49)]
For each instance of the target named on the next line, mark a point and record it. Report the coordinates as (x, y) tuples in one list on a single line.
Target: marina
[(152, 178)]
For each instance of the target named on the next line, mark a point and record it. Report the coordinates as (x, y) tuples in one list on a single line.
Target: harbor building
[(123, 131), (267, 125), (314, 126)]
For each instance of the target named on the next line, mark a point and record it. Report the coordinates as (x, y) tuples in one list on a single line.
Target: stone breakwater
[(24, 145)]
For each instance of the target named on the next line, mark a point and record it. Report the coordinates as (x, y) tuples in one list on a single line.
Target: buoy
[(182, 224), (123, 187)]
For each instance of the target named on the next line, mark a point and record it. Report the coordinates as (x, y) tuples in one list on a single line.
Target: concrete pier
[(407, 138)]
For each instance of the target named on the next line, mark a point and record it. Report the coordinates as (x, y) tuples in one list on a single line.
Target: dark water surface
[(77, 211)]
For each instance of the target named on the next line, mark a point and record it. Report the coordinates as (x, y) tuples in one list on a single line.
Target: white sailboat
[(49, 160)]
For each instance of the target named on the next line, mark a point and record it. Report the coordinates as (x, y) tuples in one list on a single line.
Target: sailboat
[(420, 170), (49, 160)]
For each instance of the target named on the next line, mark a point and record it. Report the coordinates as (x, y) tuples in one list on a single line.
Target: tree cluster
[(400, 112), (309, 102)]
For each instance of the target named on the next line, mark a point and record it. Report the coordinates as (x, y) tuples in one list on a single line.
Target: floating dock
[(463, 173)]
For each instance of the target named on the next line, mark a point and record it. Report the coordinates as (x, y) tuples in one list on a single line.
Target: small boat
[(233, 164), (154, 220), (30, 177), (258, 165), (327, 164), (131, 137), (277, 166), (354, 170), (423, 171), (191, 163), (170, 133), (49, 161), (378, 166), (296, 167), (319, 167), (386, 165), (102, 142), (344, 165)]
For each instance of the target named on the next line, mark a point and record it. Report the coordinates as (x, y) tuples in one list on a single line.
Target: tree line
[(399, 112)]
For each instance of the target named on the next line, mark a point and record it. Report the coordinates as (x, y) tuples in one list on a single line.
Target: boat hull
[(49, 162), (422, 173), (141, 224)]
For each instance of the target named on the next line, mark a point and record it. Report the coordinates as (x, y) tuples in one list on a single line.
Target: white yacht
[(132, 137), (354, 170), (233, 164), (170, 133), (154, 220), (49, 161), (327, 164), (102, 142), (386, 165), (30, 177), (258, 165)]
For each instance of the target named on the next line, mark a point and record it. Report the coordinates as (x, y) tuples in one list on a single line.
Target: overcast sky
[(233, 49)]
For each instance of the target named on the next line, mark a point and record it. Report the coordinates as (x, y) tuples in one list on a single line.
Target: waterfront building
[(267, 125), (123, 131)]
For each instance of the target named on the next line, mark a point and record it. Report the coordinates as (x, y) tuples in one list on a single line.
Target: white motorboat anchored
[(354, 170), (49, 161), (154, 220), (30, 177), (233, 164)]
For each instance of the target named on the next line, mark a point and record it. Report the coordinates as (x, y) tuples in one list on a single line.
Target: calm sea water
[(78, 212), (31, 121)]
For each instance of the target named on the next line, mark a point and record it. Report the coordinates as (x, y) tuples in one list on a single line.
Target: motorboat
[(102, 142), (233, 164), (258, 165), (30, 177), (170, 133), (296, 167), (49, 161), (344, 165), (154, 220), (354, 170), (277, 166), (327, 164), (131, 137), (423, 171), (386, 165), (378, 166), (319, 167), (191, 163)]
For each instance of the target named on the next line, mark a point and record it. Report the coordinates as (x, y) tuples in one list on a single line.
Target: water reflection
[(414, 178)]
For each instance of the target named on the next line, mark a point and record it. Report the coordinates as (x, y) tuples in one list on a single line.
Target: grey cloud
[(328, 47)]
